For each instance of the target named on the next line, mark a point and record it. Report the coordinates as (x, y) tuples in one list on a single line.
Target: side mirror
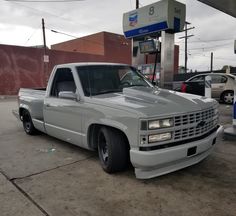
[(68, 95)]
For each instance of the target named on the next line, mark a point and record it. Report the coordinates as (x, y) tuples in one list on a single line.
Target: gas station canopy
[(226, 6)]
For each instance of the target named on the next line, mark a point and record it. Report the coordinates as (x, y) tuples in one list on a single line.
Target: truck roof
[(91, 63)]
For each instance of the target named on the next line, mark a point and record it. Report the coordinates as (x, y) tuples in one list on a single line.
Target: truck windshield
[(103, 79)]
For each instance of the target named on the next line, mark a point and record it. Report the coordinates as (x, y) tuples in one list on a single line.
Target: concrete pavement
[(13, 202)]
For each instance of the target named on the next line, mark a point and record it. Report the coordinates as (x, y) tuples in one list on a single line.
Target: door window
[(63, 81), (198, 79), (217, 79)]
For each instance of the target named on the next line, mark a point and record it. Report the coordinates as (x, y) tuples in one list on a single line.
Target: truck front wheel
[(112, 150), (27, 123)]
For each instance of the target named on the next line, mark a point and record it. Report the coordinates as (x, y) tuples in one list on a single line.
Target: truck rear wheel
[(28, 124), (112, 150)]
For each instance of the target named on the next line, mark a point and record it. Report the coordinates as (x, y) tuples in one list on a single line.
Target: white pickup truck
[(113, 109)]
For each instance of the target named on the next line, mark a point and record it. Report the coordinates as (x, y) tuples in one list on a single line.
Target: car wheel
[(112, 150), (28, 124), (228, 97)]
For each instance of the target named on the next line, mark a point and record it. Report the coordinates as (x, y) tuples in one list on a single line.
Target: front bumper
[(149, 164)]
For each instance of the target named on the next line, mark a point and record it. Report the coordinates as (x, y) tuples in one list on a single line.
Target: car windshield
[(103, 79)]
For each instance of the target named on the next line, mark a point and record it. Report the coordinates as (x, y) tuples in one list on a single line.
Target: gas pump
[(144, 26), (152, 70)]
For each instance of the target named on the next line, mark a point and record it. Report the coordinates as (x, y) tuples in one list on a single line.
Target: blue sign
[(146, 30)]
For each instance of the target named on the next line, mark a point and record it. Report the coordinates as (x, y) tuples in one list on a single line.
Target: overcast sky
[(20, 24)]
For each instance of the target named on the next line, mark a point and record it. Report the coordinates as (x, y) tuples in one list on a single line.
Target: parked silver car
[(222, 86)]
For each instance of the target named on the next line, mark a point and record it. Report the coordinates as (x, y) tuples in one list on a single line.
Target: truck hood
[(150, 102)]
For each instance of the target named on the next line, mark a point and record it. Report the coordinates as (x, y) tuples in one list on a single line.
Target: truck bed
[(38, 91), (34, 99)]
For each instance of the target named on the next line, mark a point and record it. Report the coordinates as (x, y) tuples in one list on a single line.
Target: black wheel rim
[(103, 148), (27, 122), (228, 98)]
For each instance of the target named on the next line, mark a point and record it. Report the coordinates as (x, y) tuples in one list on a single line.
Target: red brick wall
[(117, 48), (19, 67), (24, 67)]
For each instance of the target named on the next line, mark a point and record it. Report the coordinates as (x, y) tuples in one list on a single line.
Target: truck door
[(63, 117)]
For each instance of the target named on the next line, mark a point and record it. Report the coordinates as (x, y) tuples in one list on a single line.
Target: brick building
[(114, 47)]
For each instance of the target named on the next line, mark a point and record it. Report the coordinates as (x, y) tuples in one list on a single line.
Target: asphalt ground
[(41, 175)]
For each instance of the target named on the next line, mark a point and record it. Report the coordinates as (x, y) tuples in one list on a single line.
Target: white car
[(222, 86)]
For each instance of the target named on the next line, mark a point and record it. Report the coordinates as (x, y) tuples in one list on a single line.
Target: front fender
[(130, 132)]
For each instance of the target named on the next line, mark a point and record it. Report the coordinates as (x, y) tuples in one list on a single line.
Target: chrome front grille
[(194, 117), (194, 124)]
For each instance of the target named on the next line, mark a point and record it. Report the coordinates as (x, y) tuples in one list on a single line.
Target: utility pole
[(137, 4), (211, 62), (44, 37), (45, 57), (186, 48), (186, 44)]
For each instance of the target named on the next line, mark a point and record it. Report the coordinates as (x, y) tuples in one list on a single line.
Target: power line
[(59, 32), (35, 30), (208, 56), (207, 41), (210, 47), (205, 48), (38, 11), (87, 40), (44, 1)]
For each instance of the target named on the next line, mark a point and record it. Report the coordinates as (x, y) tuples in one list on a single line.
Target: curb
[(230, 133), (3, 97)]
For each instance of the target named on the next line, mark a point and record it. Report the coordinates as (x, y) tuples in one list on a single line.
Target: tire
[(112, 150), (228, 97), (28, 124)]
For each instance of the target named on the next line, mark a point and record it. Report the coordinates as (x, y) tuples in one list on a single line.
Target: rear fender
[(23, 107)]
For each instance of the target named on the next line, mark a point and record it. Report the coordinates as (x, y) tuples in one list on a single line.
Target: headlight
[(159, 137), (162, 123)]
